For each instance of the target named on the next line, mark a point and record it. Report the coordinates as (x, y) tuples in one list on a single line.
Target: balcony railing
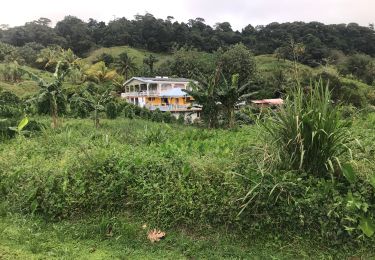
[(169, 107), (150, 93)]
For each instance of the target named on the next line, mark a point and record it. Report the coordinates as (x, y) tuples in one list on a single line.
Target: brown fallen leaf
[(155, 235)]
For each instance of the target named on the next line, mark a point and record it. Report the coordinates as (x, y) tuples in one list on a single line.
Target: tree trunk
[(96, 119), (231, 117), (54, 114)]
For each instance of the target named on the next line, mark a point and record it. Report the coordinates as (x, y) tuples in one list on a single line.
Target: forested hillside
[(159, 35)]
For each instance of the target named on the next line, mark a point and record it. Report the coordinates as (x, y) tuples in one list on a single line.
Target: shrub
[(10, 72), (181, 119), (128, 111), (111, 110), (80, 108), (307, 132)]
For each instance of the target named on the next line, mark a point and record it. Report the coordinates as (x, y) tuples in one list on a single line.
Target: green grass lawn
[(23, 237)]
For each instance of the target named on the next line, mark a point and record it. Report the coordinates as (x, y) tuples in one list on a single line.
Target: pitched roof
[(158, 80)]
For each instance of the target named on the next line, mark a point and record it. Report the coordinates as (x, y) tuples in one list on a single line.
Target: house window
[(151, 99), (165, 101)]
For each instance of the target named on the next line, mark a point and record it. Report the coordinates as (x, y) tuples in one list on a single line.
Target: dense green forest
[(158, 35)]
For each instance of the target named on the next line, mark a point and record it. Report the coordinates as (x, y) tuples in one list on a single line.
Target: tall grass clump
[(308, 131)]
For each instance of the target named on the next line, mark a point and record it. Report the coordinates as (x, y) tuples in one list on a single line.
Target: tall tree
[(150, 60), (125, 64), (238, 59), (99, 73), (230, 94), (77, 34), (51, 91), (204, 94)]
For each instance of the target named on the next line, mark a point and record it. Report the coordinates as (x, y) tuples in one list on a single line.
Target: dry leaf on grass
[(155, 235)]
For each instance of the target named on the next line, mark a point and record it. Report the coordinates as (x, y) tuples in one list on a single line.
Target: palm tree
[(204, 94), (100, 73), (95, 101), (125, 64), (51, 91), (50, 56), (150, 61), (230, 95)]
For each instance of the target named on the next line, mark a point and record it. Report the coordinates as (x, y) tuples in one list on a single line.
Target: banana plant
[(21, 125), (95, 101), (51, 91), (204, 94), (230, 95)]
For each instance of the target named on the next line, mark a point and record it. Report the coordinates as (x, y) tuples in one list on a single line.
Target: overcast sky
[(238, 12)]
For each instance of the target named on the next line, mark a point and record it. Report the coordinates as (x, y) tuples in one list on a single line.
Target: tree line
[(162, 35)]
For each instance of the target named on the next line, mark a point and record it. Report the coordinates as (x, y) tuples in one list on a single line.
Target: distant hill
[(138, 54), (268, 63)]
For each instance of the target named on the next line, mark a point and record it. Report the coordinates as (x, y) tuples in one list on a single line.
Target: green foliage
[(94, 100), (238, 60), (346, 90), (204, 94), (308, 132), (11, 72), (29, 52), (99, 73), (187, 63), (361, 66), (150, 61), (7, 52), (21, 125), (112, 110), (230, 95), (108, 59), (125, 65), (10, 112), (181, 176), (51, 93)]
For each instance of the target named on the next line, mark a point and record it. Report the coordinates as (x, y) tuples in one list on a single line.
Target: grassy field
[(25, 237), (138, 54), (77, 146), (26, 87)]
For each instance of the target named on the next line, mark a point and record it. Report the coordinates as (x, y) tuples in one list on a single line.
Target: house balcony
[(150, 93), (172, 107)]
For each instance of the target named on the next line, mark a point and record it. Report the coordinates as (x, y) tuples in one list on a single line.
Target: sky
[(238, 12)]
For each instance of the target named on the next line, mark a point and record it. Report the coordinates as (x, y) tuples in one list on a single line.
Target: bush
[(10, 112), (43, 106), (307, 132), (345, 90), (80, 108), (112, 110), (180, 178), (10, 72)]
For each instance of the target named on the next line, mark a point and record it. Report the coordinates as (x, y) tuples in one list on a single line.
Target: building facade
[(163, 93)]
